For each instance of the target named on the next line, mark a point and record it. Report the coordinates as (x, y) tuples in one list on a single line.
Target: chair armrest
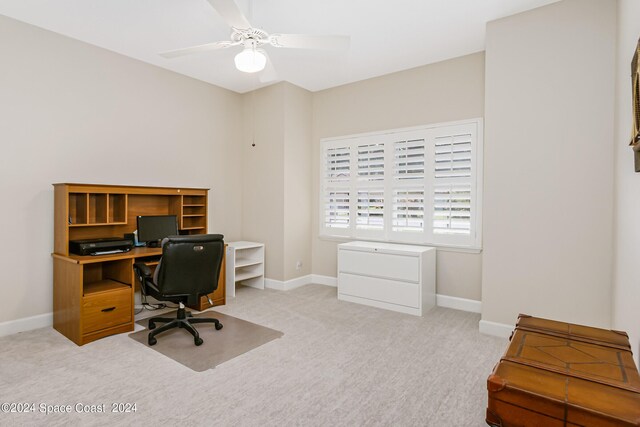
[(143, 271)]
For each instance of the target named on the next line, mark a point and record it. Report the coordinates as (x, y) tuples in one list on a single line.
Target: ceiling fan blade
[(305, 41), (231, 13), (196, 49), (269, 73)]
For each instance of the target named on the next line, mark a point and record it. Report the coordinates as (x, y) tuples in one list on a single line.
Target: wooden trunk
[(560, 374)]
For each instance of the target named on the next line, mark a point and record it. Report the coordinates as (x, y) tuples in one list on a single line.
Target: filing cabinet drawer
[(388, 266), (401, 293), (106, 309)]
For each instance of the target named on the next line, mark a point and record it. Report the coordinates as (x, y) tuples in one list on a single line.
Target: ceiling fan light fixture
[(250, 60)]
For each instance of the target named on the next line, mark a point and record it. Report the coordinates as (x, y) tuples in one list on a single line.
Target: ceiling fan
[(252, 58)]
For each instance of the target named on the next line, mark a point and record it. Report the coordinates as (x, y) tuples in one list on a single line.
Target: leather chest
[(561, 374)]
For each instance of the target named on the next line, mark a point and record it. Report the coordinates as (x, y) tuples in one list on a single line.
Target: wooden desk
[(93, 296)]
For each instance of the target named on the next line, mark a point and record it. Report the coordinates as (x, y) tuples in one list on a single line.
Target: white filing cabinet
[(245, 264), (396, 277)]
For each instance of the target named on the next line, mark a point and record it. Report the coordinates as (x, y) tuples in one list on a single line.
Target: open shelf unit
[(245, 261)]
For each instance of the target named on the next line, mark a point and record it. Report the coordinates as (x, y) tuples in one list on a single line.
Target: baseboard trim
[(457, 303), (317, 279), (280, 285), (324, 280), (26, 324), (496, 329)]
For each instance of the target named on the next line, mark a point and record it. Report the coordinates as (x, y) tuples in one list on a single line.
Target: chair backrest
[(190, 265)]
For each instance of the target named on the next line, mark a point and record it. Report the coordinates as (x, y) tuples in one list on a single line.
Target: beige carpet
[(235, 338), (338, 364)]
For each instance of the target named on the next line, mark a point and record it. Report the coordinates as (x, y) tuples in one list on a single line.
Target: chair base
[(184, 320)]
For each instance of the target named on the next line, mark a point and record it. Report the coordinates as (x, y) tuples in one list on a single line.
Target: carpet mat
[(235, 338)]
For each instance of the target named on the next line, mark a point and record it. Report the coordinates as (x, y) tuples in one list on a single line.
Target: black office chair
[(189, 268)]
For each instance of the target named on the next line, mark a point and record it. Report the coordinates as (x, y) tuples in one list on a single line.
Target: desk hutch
[(93, 296)]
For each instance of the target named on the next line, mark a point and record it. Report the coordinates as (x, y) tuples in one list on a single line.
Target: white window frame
[(472, 241)]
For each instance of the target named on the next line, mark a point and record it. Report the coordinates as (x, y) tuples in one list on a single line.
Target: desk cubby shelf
[(106, 285), (93, 295), (88, 209)]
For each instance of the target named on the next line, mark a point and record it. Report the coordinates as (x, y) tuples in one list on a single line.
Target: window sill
[(341, 239)]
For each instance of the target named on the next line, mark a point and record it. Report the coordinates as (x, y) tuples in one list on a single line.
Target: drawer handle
[(105, 310)]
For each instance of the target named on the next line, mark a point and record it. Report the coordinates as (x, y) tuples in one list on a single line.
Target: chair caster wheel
[(152, 326), (198, 341), (218, 326), (152, 341)]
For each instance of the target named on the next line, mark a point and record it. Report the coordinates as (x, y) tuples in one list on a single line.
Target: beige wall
[(71, 112), (446, 91), (263, 174), (297, 182), (276, 178), (626, 286), (548, 165)]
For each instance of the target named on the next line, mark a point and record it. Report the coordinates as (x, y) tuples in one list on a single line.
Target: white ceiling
[(386, 35)]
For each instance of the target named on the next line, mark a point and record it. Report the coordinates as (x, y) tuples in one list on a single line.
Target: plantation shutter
[(417, 185), (369, 186), (336, 213), (408, 210), (371, 162), (408, 186), (337, 164), (452, 209), (370, 209), (453, 185), (336, 193)]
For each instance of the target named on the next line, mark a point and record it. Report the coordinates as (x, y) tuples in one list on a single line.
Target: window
[(420, 185)]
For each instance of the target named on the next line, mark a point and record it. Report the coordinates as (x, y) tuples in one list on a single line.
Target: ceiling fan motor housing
[(259, 36)]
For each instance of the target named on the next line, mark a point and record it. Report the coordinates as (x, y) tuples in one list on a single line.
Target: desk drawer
[(389, 291), (388, 266), (106, 309)]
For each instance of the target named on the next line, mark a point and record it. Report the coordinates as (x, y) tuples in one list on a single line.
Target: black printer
[(101, 246)]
